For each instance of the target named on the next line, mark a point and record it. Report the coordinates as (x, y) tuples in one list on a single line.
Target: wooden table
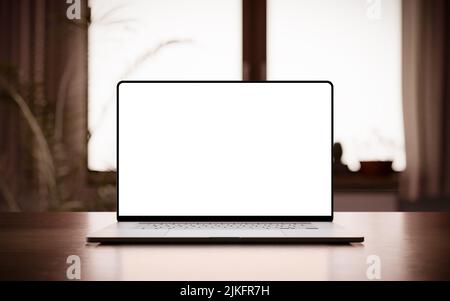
[(411, 246)]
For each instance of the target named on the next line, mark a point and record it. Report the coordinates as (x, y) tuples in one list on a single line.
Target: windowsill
[(341, 182), (357, 181), (96, 178)]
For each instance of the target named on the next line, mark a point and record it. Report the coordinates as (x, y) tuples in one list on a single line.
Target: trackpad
[(224, 233)]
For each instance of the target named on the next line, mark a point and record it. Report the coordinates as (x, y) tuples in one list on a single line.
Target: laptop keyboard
[(223, 226)]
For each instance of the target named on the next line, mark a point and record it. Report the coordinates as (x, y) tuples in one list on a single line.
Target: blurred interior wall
[(426, 99)]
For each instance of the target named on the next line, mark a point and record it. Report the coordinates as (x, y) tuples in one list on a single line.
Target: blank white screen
[(230, 149)]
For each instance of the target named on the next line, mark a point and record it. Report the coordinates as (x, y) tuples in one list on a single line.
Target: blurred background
[(60, 61)]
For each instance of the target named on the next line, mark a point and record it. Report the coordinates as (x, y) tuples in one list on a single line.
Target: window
[(154, 39), (359, 49), (354, 43)]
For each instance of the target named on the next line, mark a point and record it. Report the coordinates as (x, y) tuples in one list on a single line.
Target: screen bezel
[(222, 218)]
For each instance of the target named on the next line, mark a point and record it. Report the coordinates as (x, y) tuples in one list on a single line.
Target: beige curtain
[(426, 99)]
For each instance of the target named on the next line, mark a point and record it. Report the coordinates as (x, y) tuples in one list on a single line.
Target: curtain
[(43, 57), (426, 99)]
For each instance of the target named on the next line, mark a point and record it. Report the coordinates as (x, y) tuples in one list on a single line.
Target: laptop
[(224, 162)]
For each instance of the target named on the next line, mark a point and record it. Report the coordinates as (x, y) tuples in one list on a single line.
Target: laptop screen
[(224, 149)]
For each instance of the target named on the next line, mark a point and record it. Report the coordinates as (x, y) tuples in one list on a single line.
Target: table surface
[(411, 246)]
